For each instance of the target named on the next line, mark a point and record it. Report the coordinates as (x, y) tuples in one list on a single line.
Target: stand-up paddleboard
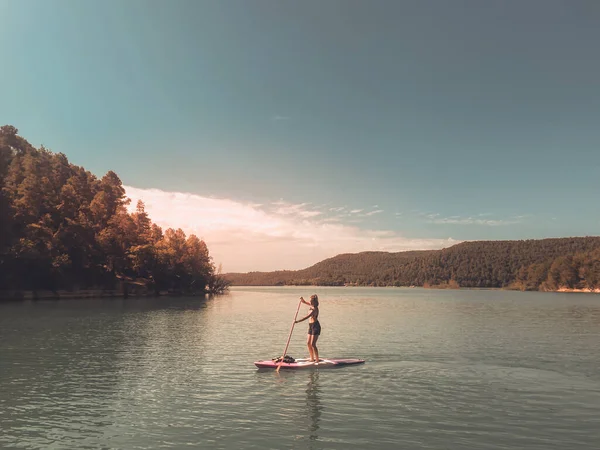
[(306, 364)]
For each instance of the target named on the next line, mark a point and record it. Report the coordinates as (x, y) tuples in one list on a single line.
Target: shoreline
[(99, 293), (434, 287), (574, 290), (86, 294)]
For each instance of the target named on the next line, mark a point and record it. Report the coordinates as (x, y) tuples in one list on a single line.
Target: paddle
[(290, 336)]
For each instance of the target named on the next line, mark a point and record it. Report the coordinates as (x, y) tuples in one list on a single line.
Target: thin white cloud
[(300, 210), (457, 220), (245, 237), (482, 219), (371, 213), (356, 211)]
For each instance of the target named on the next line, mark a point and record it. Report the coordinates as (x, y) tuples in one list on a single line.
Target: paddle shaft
[(290, 336)]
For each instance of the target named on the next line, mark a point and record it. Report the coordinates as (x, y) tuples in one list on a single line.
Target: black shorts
[(314, 329)]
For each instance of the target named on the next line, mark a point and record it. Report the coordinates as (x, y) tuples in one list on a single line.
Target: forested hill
[(62, 228), (544, 264), (360, 268)]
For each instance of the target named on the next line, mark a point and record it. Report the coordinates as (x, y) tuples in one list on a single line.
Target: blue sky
[(459, 120)]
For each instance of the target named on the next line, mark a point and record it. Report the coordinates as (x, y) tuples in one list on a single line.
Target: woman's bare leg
[(310, 346), (315, 350)]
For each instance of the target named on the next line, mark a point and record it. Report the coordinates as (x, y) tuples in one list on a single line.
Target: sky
[(286, 132)]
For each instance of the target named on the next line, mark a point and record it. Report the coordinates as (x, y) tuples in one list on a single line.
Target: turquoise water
[(445, 369)]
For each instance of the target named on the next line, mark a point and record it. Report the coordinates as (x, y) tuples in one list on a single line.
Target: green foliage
[(545, 264), (63, 228)]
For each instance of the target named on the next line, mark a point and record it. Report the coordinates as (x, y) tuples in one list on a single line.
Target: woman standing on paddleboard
[(314, 327)]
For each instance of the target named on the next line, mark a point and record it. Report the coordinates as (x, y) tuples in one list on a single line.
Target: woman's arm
[(304, 318), (304, 301)]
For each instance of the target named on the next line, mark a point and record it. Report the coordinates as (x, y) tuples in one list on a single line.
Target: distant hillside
[(336, 271), (544, 264)]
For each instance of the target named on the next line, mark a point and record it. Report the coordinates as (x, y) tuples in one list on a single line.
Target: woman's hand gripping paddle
[(290, 336)]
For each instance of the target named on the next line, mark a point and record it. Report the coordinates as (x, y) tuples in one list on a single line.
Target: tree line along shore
[(556, 264), (66, 233)]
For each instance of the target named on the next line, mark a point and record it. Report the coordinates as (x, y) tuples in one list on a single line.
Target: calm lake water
[(445, 370)]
